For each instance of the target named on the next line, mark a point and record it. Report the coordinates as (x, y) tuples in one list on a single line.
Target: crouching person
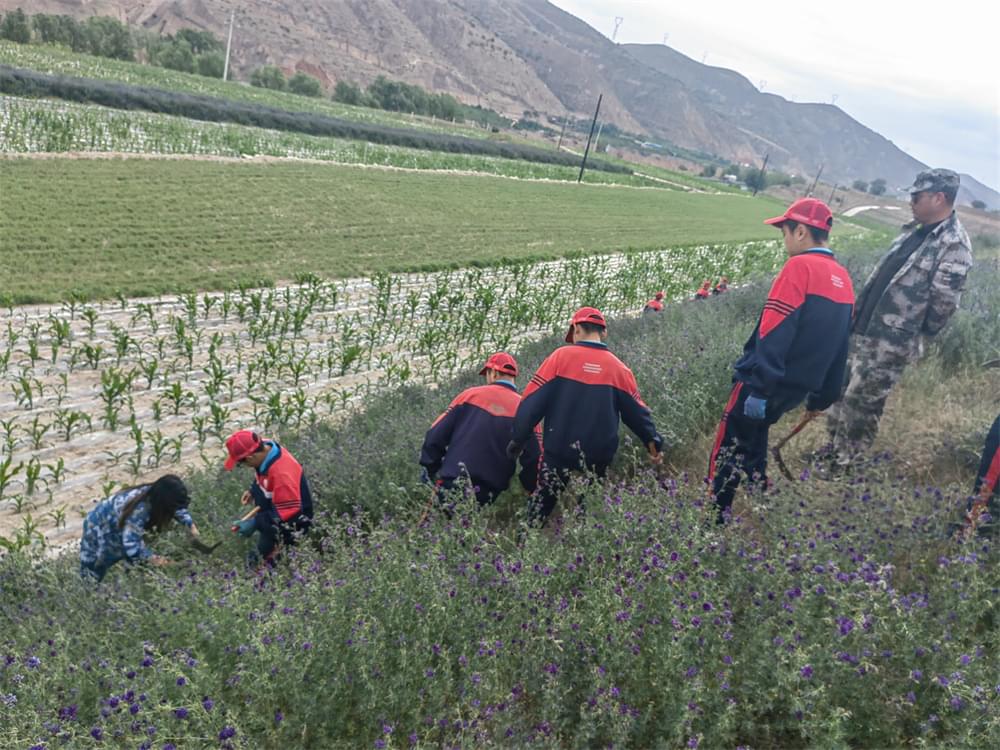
[(114, 530), (468, 442), (279, 492)]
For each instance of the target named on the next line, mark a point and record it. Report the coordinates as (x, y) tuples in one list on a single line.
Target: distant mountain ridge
[(528, 55)]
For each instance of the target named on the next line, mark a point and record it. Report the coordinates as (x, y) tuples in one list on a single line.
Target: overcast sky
[(925, 75)]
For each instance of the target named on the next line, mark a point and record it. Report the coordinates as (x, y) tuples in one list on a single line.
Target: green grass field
[(100, 227)]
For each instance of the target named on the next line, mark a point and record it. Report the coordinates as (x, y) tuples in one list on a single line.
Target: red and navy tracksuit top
[(280, 487), (581, 391), (471, 438), (799, 347), (988, 477)]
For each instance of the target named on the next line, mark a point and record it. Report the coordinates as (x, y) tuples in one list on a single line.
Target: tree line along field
[(52, 60), (138, 227)]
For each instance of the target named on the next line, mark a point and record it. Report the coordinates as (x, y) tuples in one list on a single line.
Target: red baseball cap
[(585, 315), (502, 362), (240, 445), (809, 211)]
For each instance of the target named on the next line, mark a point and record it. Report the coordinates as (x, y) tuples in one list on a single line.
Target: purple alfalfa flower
[(387, 728), (33, 662), (307, 646), (693, 742), (181, 713), (806, 672), (170, 746), (915, 675), (97, 733), (278, 716), (956, 703), (134, 709), (147, 661), (691, 672), (942, 680), (965, 659), (413, 738), (39, 746), (67, 713), (845, 624), (911, 697), (552, 668), (380, 744), (181, 681), (207, 703), (226, 733)]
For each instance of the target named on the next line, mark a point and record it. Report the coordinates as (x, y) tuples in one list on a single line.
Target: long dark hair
[(166, 495)]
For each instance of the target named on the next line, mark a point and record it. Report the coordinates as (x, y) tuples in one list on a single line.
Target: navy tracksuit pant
[(741, 445), (551, 483)]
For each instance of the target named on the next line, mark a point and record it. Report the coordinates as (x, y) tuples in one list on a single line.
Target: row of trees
[(271, 77), (188, 50), (192, 51), (98, 35), (875, 187), (397, 96)]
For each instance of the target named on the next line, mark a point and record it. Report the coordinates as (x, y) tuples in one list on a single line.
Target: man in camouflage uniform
[(913, 292)]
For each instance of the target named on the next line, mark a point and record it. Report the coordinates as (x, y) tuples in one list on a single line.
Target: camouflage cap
[(935, 181)]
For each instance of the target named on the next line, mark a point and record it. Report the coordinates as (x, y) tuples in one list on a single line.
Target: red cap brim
[(776, 220), (230, 463), (483, 371)]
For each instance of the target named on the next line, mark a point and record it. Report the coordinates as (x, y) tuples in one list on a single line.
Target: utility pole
[(586, 151), (229, 44), (665, 38), (562, 132), (598, 138), (813, 186), (829, 201), (618, 22), (763, 167)]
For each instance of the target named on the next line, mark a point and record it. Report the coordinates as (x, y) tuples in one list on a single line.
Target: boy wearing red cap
[(469, 440), (655, 305), (280, 491), (582, 392), (797, 351)]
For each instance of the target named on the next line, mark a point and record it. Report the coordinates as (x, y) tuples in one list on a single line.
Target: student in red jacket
[(655, 305), (279, 490), (984, 511), (798, 350), (581, 392), (468, 442)]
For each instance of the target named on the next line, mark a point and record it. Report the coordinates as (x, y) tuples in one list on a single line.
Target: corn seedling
[(57, 471), (91, 315), (58, 516), (37, 431), (32, 476)]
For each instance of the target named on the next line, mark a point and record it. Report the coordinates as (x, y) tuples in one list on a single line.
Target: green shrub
[(304, 85), (268, 77)]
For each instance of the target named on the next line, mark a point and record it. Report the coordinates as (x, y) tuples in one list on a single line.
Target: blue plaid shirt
[(104, 544)]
